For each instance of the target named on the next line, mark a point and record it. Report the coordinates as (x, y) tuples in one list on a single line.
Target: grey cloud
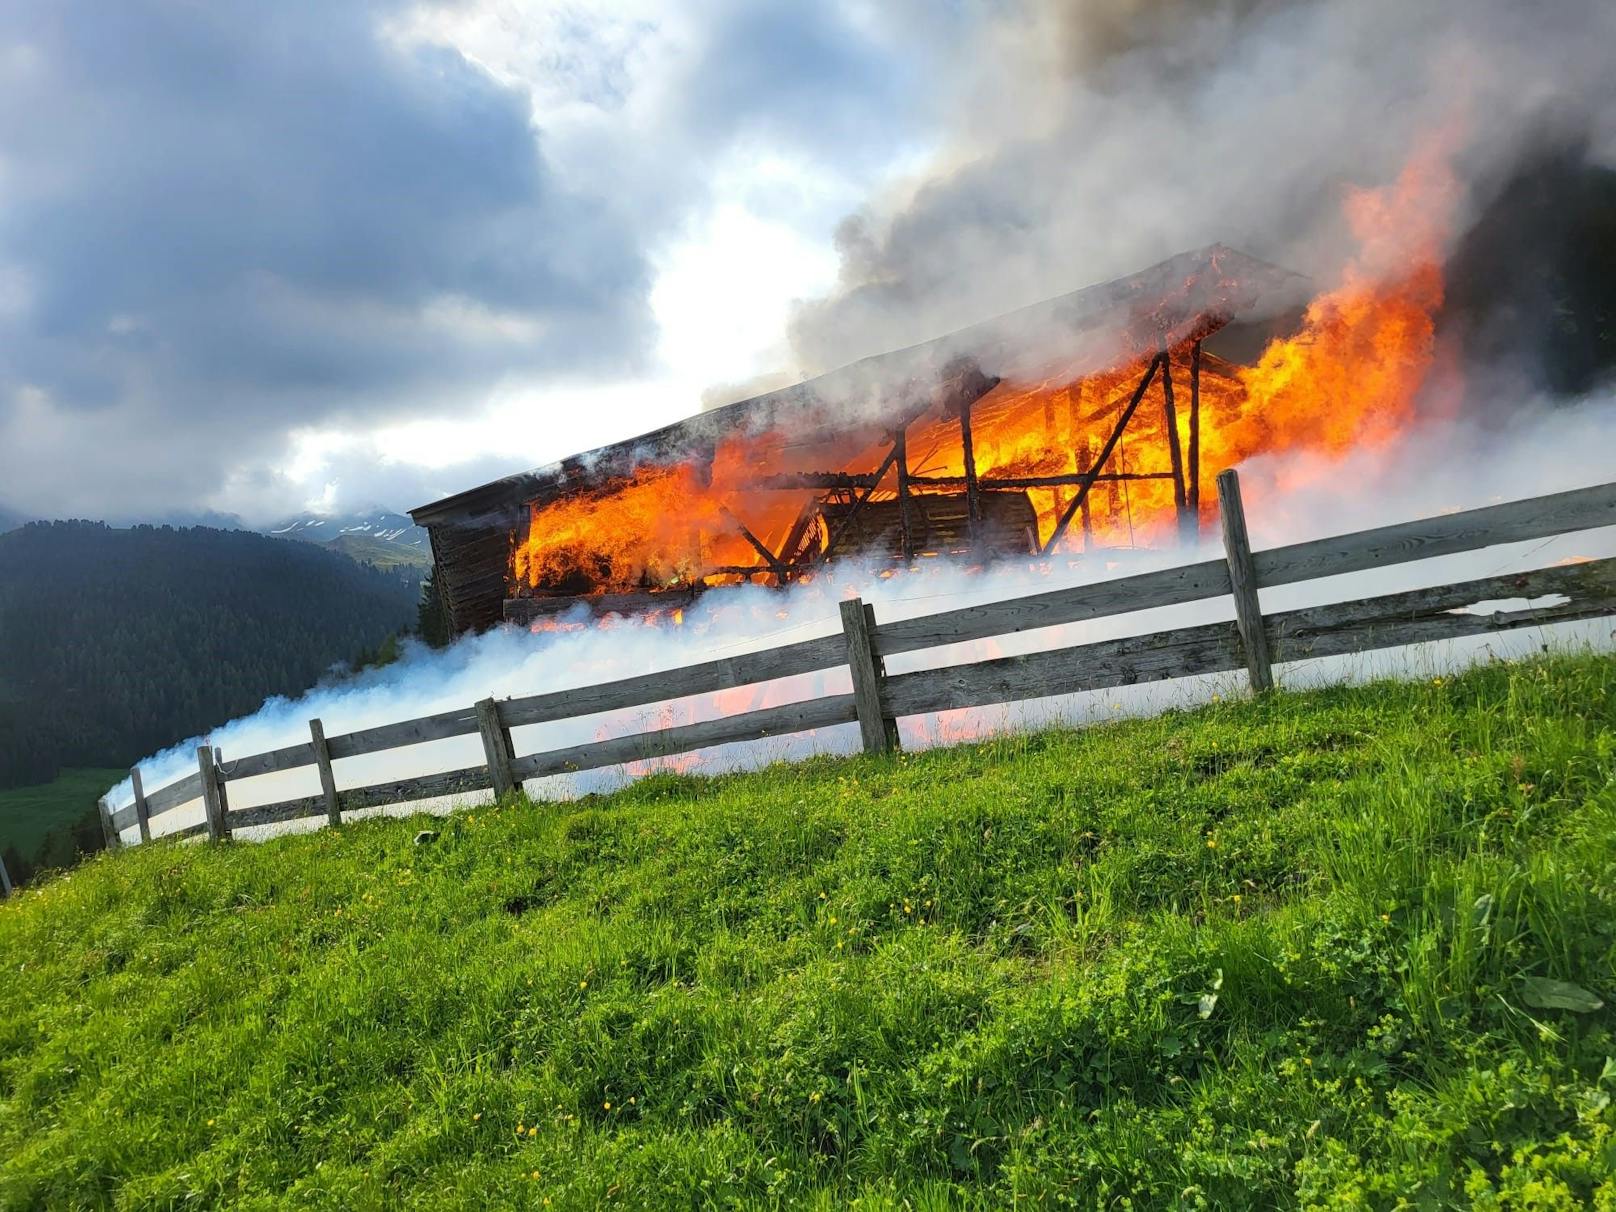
[(798, 72), (222, 222), (233, 219)]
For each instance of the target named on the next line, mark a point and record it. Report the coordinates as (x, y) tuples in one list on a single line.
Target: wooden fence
[(1252, 642)]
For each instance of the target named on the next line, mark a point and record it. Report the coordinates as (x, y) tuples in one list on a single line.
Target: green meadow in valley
[(1347, 948), (28, 815)]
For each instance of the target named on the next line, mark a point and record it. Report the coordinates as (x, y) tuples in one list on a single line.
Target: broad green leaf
[(1546, 994)]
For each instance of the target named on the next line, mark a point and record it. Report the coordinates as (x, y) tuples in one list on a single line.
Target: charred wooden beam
[(769, 558), (861, 480), (1085, 465), (906, 531), (814, 479), (956, 390), (973, 501), (1175, 452), (1105, 454), (858, 503), (1193, 473), (1064, 480), (523, 611), (964, 384)]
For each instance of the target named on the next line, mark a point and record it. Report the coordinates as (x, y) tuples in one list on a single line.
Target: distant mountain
[(10, 520), (377, 524)]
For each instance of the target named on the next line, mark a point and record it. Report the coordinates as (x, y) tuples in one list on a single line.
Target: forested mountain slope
[(116, 643)]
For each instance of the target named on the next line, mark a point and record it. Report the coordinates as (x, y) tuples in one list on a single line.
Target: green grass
[(1335, 949), (380, 553), (27, 814)]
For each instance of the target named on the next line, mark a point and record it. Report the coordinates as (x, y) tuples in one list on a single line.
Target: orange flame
[(1352, 375)]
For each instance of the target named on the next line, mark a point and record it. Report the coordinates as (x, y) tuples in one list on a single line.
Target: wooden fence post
[(1243, 580), (108, 833), (224, 793), (5, 880), (858, 625), (496, 748), (328, 780), (212, 808), (142, 813)]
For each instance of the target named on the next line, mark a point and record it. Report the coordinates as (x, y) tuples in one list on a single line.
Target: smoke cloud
[(1094, 138)]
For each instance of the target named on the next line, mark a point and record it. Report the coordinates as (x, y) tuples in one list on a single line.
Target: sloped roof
[(1187, 296)]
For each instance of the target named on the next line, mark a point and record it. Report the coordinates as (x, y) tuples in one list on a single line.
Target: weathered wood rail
[(1253, 641)]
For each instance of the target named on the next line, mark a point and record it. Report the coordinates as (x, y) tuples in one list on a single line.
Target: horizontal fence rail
[(1253, 641)]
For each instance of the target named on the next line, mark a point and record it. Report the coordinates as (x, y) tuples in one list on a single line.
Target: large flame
[(1351, 375)]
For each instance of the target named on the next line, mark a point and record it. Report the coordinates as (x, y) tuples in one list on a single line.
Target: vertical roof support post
[(973, 502), (1193, 471), (1085, 458), (1175, 451), (901, 446)]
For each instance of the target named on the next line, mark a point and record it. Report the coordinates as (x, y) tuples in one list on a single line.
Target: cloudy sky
[(262, 257)]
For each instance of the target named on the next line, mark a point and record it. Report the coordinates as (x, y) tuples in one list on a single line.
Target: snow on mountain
[(378, 524)]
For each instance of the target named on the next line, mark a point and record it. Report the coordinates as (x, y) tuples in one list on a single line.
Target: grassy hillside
[(27, 814), (1344, 949), (381, 554)]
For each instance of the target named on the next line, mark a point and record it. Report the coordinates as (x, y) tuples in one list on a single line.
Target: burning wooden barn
[(1092, 419)]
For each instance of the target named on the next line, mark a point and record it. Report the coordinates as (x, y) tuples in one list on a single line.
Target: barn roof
[(1079, 333)]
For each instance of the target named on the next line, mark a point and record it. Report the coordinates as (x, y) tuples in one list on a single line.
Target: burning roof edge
[(1087, 330)]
